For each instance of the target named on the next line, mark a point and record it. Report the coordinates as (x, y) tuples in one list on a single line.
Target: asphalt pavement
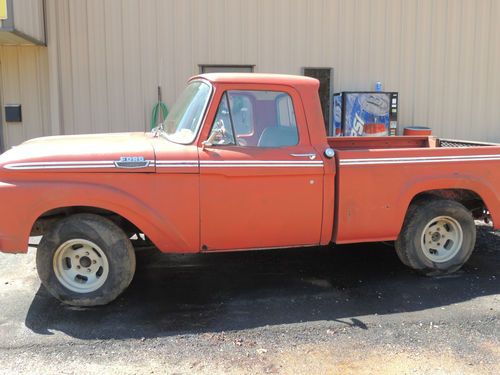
[(344, 309)]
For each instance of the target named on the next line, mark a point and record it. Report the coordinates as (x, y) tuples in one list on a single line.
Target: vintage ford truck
[(242, 162)]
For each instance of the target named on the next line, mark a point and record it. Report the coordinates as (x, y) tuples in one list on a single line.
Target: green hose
[(157, 108)]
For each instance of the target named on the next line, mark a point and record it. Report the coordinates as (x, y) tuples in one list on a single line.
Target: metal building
[(78, 66)]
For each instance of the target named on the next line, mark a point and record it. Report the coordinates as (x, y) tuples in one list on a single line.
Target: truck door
[(261, 180)]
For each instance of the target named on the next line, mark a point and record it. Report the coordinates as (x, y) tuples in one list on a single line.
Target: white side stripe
[(65, 165), (164, 164), (58, 166), (248, 165), (259, 163), (176, 163), (418, 159), (63, 162), (431, 157)]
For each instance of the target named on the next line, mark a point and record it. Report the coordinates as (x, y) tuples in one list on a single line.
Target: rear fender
[(481, 187)]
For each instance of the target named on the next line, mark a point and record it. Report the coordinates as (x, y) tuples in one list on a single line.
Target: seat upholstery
[(278, 136)]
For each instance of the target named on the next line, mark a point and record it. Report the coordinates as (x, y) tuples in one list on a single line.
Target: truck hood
[(118, 152)]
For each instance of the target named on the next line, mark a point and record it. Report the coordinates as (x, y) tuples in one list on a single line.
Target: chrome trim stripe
[(259, 162), (245, 163), (35, 163), (431, 157), (163, 164), (417, 159), (248, 165), (66, 165), (54, 166), (176, 164)]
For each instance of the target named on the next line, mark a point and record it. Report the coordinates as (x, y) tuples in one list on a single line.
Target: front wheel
[(85, 260), (438, 237)]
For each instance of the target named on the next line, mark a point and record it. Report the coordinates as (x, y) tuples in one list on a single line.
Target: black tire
[(111, 241), (410, 247)]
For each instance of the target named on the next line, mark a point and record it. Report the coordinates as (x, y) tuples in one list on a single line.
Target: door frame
[(304, 142)]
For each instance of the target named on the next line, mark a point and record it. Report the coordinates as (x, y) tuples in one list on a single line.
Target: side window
[(286, 116), (256, 119), (222, 129), (241, 112)]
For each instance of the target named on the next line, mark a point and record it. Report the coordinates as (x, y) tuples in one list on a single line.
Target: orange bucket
[(374, 130)]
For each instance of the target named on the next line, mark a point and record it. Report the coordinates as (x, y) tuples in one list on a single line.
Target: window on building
[(325, 77), (255, 118), (205, 68)]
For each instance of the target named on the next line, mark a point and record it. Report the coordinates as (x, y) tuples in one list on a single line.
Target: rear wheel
[(438, 237), (85, 260)]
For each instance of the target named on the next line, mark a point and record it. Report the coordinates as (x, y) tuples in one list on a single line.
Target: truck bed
[(378, 178), (357, 143)]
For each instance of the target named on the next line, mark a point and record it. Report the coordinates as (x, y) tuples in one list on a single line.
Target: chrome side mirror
[(217, 133), (205, 144)]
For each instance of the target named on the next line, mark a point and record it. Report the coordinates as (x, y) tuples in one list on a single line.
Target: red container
[(374, 130), (417, 130)]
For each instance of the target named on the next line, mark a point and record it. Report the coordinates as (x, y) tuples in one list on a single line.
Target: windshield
[(183, 121)]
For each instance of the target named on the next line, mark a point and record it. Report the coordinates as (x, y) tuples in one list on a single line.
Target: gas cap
[(329, 152)]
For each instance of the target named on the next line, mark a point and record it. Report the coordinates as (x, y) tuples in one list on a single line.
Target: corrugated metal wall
[(107, 57), (24, 81), (28, 18)]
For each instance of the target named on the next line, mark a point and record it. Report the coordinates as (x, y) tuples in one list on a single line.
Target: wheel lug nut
[(77, 256), (87, 253), (94, 261), (89, 270), (78, 267)]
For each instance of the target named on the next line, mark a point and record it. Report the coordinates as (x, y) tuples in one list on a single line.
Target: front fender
[(26, 201)]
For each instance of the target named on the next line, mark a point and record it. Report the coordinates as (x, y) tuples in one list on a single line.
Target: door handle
[(311, 156)]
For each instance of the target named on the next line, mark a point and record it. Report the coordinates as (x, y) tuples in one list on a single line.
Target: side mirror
[(216, 134), (206, 143)]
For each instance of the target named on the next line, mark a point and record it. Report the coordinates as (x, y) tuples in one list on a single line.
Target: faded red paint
[(190, 208)]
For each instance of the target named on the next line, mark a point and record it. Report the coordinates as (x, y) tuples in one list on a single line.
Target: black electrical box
[(13, 113)]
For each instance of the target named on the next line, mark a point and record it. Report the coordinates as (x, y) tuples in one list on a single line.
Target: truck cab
[(259, 166)]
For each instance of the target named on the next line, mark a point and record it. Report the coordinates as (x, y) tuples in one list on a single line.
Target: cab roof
[(282, 79)]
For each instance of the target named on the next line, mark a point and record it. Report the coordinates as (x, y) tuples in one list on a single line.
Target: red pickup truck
[(242, 162)]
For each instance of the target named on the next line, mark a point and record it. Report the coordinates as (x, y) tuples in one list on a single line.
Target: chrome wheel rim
[(442, 239), (80, 266)]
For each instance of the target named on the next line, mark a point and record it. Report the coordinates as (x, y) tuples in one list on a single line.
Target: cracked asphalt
[(347, 309)]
